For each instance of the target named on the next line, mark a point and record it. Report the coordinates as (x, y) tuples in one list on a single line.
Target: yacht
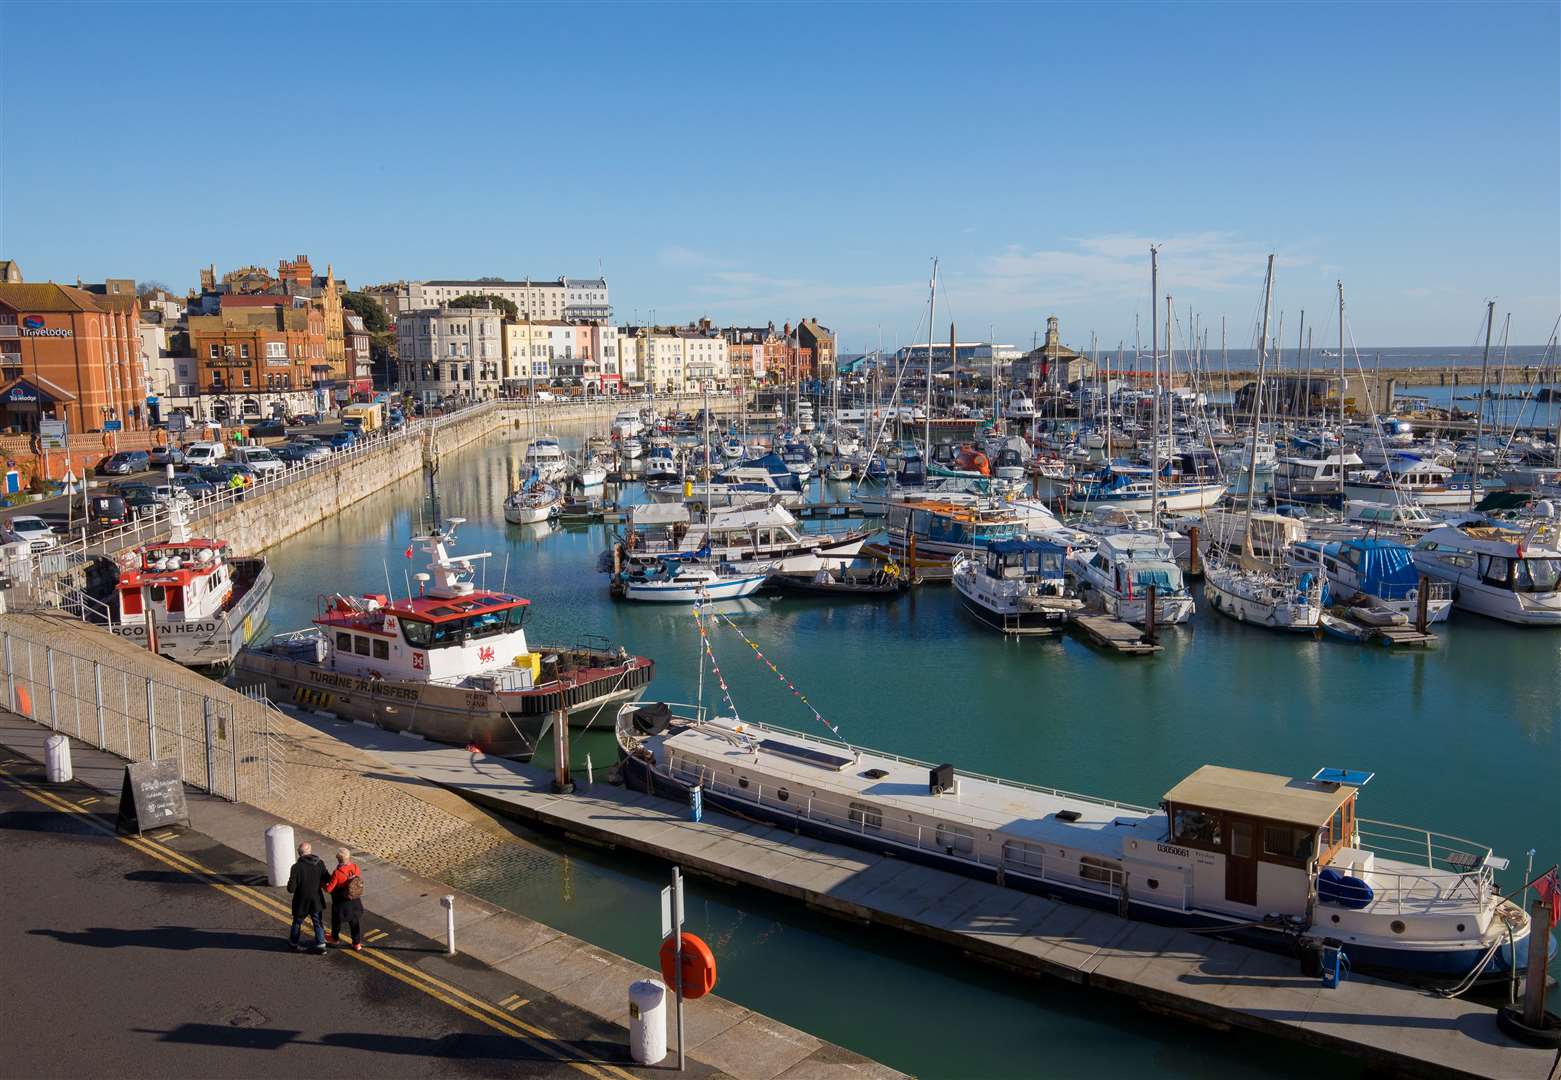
[(940, 528), (627, 424), (678, 581), (1020, 407), (1272, 860), (758, 540), (1494, 571), (547, 459), (1135, 489), (1374, 572), (630, 448), (1016, 586), (533, 502), (1310, 479), (661, 463), (1414, 479), (1121, 569), (451, 663), (757, 482), (1278, 597)]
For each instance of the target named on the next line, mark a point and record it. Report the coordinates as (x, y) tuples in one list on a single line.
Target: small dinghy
[(1344, 629), (1378, 615), (882, 581)]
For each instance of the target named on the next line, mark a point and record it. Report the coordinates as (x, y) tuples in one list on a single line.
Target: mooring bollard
[(647, 1021), (56, 756), (448, 903), (279, 854)]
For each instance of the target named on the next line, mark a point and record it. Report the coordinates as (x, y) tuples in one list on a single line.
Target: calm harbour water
[(1465, 739)]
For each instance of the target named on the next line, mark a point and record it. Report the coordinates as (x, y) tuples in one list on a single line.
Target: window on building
[(243, 351), (246, 377), (216, 352)]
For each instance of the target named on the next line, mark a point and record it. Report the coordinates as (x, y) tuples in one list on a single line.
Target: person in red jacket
[(346, 899)]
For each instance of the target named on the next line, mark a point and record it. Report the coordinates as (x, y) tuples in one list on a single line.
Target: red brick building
[(66, 354), (260, 355)]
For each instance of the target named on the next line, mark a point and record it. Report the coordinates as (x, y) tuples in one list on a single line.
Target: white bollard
[(448, 903), (56, 758), (647, 1021), (280, 854)]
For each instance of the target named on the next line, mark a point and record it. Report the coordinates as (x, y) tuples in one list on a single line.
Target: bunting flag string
[(765, 660), (715, 668)]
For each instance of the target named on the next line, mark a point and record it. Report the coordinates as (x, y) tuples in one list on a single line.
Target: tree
[(487, 300), (151, 288), (368, 309)]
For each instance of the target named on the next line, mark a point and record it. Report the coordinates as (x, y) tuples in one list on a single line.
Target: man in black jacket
[(305, 883)]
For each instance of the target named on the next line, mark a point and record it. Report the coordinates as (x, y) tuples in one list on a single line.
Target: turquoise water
[(1464, 739)]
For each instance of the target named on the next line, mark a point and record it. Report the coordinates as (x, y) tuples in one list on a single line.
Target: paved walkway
[(144, 933), (1385, 1024)]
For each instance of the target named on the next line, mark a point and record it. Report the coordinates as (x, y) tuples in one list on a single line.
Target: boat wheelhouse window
[(381, 649), (1197, 827), (1288, 842), (866, 817), (956, 838), (1338, 835), (1536, 575), (1496, 570), (360, 645), (344, 643)]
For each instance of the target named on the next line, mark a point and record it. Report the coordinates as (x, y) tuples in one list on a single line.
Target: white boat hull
[(669, 593)]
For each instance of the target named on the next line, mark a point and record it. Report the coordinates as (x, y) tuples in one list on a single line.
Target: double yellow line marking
[(500, 1019)]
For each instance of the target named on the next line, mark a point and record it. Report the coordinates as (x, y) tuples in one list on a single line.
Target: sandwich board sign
[(151, 796)]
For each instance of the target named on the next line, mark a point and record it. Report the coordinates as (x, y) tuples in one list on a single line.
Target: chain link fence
[(224, 743)]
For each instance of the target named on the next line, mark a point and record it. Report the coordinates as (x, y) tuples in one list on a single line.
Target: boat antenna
[(504, 585), (430, 472), (1479, 412), (1257, 410), (390, 594)]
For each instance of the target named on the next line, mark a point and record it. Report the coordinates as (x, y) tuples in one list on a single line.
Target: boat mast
[(1479, 413), (1154, 404), (932, 313), (1300, 335), (1257, 407), (1341, 400)]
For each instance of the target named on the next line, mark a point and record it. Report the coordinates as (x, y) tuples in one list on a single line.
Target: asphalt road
[(119, 961)]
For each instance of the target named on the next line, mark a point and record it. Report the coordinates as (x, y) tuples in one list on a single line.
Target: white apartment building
[(629, 359), (563, 298), (449, 352), (705, 360), (661, 359)]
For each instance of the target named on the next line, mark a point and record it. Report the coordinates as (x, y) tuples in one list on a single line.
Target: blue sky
[(751, 162)]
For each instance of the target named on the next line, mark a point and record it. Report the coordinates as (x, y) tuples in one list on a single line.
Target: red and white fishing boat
[(451, 663), (189, 598)]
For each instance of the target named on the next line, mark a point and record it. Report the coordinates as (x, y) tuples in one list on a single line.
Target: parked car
[(342, 440), (141, 500), (166, 455), (30, 530), (260, 459), (267, 429), (222, 475), (197, 487), (204, 453), (303, 419), (125, 462), (124, 488), (106, 511)]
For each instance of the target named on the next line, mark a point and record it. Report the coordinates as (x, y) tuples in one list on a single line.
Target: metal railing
[(220, 747)]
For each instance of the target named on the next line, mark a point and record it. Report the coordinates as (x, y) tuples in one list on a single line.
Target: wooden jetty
[(1213, 983), (1114, 634)]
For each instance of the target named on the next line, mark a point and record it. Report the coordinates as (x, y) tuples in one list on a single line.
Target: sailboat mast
[(1154, 404), (1479, 413), (1257, 405), (1341, 398), (932, 314)]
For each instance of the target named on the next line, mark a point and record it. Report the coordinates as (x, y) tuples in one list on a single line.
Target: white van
[(263, 461), (204, 453)]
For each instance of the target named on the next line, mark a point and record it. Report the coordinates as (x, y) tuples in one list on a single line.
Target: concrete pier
[(1208, 981)]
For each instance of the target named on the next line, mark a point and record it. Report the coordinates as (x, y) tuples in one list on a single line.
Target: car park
[(260, 459), (166, 455), (267, 429), (125, 462), (30, 530)]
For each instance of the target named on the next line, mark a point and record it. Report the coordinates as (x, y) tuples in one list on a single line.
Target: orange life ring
[(698, 966)]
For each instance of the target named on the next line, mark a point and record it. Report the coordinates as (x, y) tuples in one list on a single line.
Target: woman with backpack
[(346, 889)]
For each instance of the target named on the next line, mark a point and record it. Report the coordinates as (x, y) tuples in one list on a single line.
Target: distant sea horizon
[(1389, 357)]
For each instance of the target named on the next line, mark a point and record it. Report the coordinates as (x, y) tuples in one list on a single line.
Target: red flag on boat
[(1549, 888), (408, 551)]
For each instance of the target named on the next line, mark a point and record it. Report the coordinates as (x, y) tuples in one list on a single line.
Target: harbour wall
[(277, 510)]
